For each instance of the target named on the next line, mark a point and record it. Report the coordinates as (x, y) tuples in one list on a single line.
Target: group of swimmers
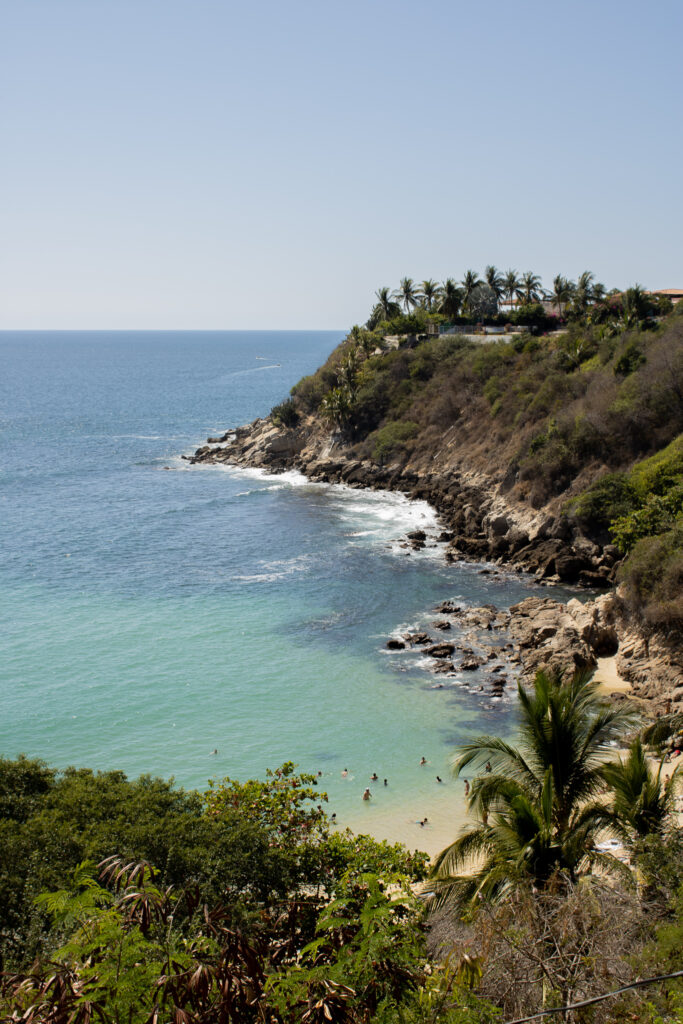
[(367, 795)]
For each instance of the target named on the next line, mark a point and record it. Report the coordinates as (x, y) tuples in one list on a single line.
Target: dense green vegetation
[(592, 412), (248, 844), (258, 910)]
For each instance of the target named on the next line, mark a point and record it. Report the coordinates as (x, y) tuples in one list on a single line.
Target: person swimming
[(439, 779), (374, 777), (386, 782), (367, 794), (423, 760), (345, 773)]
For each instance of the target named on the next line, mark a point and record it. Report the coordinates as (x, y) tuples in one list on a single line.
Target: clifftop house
[(675, 294)]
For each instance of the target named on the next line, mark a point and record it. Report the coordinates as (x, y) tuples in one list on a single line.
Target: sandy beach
[(445, 810), (607, 675)]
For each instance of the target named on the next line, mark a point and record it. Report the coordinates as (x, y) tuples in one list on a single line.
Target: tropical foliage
[(537, 804)]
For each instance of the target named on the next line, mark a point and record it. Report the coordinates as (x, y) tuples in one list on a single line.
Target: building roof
[(668, 291)]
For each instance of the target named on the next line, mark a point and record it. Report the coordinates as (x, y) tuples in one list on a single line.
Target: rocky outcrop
[(654, 668), (556, 636)]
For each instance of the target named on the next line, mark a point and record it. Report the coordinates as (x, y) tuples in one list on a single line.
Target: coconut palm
[(516, 844), (430, 292), (599, 292), (495, 282), (583, 293), (530, 288), (642, 801), (386, 305), (407, 294), (511, 285), (634, 305), (469, 283), (541, 794), (451, 298), (562, 291)]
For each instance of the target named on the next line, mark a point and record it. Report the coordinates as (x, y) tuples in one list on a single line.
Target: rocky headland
[(481, 521)]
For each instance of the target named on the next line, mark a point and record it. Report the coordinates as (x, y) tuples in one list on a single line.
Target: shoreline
[(446, 819)]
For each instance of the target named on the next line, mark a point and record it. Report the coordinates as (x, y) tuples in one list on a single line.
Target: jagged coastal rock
[(481, 522)]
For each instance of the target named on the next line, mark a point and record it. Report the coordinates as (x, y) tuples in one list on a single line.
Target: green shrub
[(661, 472), (391, 438), (612, 496), (310, 392), (631, 358), (653, 574), (285, 414), (657, 515)]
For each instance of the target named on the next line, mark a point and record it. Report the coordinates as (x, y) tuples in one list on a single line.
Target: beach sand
[(445, 810), (607, 675)]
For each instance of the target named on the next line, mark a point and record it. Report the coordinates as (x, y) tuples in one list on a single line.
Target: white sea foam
[(278, 569)]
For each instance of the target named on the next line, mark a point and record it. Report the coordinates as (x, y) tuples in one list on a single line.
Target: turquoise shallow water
[(151, 615)]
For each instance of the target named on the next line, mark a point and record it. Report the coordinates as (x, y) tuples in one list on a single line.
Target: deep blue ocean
[(152, 613)]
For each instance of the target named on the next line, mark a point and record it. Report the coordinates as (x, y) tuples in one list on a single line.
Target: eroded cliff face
[(482, 520)]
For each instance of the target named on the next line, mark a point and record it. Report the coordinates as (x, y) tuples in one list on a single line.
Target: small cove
[(151, 614)]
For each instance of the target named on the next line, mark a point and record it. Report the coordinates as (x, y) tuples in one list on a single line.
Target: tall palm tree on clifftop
[(495, 282), (537, 808), (469, 283), (511, 285), (530, 287), (407, 294), (583, 293), (451, 298), (386, 304), (429, 292), (562, 291)]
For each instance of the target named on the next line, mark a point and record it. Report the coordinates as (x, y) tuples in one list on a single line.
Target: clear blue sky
[(214, 164)]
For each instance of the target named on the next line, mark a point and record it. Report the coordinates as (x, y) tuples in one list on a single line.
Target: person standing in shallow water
[(367, 794)]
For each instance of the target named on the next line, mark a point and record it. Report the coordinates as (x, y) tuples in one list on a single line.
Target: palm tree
[(511, 286), (469, 283), (495, 282), (407, 294), (430, 292), (562, 291), (634, 305), (642, 801), (451, 298), (599, 292), (519, 844), (530, 288), (584, 290), (542, 794), (386, 305)]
